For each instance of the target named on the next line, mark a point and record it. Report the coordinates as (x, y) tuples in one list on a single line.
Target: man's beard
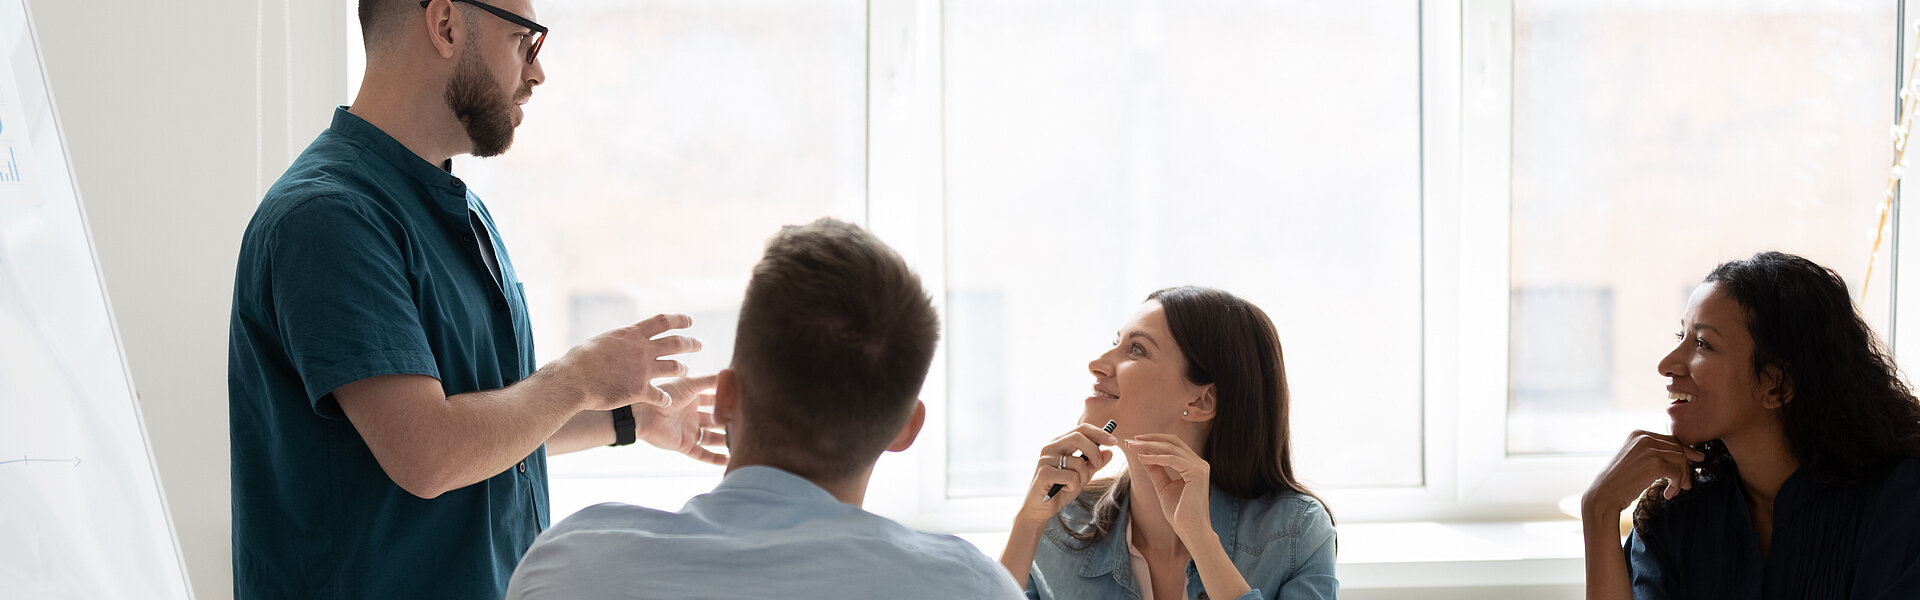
[(485, 111)]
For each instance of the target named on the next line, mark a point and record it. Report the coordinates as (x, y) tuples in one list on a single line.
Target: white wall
[(177, 116)]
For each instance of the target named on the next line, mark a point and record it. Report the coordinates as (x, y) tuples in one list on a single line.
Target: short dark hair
[(380, 18), (834, 341)]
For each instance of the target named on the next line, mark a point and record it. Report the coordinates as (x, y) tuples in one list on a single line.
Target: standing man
[(389, 432)]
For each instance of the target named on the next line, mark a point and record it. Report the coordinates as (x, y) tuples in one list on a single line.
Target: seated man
[(835, 338)]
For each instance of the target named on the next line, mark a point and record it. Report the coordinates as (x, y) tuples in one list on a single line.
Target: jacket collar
[(1110, 555)]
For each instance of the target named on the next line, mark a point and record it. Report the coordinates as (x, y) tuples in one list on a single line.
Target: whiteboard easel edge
[(140, 419)]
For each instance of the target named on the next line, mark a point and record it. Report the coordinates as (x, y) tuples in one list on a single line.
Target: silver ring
[(1063, 463)]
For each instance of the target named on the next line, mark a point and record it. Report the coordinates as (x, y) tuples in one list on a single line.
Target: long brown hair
[(1230, 343)]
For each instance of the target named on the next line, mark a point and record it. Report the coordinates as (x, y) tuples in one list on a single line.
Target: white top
[(763, 533)]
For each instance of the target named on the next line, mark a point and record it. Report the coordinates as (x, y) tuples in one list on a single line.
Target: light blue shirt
[(1282, 544), (763, 533)]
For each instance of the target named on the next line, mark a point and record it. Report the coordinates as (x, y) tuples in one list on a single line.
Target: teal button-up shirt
[(366, 260)]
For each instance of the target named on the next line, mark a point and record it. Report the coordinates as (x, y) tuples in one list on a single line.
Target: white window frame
[(1486, 470), (1466, 59), (906, 204), (1466, 169), (1905, 261)]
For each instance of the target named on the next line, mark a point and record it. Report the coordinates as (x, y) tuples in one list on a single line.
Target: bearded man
[(389, 430)]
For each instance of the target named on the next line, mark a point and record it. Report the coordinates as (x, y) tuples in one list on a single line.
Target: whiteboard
[(81, 513)]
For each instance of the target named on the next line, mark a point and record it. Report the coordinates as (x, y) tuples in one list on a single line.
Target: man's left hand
[(681, 425)]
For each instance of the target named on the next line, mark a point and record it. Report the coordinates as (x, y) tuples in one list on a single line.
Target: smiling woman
[(1208, 504), (1794, 459)]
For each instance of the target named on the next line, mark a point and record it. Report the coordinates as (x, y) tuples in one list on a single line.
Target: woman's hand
[(1647, 457), (1058, 466), (1183, 482)]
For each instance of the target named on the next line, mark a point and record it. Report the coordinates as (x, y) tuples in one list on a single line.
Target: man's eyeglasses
[(539, 31)]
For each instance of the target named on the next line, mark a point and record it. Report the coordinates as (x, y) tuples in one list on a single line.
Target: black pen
[(1076, 453)]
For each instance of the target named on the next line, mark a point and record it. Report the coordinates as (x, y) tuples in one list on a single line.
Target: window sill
[(1427, 555)]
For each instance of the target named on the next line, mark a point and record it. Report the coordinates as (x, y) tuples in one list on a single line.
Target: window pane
[(670, 140), (1094, 156), (1652, 141)]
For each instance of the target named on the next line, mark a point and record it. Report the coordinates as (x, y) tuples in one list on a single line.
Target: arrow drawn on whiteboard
[(75, 460)]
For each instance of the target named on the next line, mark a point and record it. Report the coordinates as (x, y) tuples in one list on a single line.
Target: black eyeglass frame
[(539, 31)]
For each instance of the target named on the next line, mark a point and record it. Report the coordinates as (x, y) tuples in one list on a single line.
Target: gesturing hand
[(1058, 466), (679, 424), (617, 368), (1181, 479), (1647, 457)]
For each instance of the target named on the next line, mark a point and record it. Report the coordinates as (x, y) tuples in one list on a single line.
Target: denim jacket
[(1283, 544)]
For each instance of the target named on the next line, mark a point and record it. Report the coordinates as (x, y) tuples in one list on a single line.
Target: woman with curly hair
[(1791, 469)]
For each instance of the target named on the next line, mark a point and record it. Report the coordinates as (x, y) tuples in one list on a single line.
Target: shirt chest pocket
[(470, 326)]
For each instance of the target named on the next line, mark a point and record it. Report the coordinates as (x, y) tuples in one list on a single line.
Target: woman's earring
[(1183, 413)]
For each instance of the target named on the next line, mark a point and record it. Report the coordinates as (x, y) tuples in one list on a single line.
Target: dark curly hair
[(1851, 415), (1232, 344)]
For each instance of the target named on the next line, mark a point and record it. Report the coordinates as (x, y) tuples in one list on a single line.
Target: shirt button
[(523, 466), (457, 184), (499, 304)]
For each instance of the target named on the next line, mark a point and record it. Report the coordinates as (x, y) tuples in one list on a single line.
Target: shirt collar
[(395, 153), (1110, 555), (774, 481)]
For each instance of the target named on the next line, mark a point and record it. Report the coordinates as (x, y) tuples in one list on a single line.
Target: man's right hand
[(430, 443), (617, 368)]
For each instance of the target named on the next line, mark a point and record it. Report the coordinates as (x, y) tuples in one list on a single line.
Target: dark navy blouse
[(1829, 541)]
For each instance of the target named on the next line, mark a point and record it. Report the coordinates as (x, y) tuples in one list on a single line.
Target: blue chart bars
[(10, 172)]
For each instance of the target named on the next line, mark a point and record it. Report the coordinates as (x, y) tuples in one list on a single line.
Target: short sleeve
[(342, 297), (1312, 577)]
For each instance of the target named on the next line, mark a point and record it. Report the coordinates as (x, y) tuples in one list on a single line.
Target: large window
[(668, 142), (1268, 149), (1474, 223), (1652, 141)]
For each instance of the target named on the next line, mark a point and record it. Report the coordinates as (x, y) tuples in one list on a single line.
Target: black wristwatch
[(622, 426)]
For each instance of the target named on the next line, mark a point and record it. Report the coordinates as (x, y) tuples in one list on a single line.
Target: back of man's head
[(835, 338), (382, 20)]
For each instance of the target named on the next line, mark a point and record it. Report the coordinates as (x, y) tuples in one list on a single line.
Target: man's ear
[(726, 398), (904, 439), (446, 27), (1777, 386), (1202, 408)]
